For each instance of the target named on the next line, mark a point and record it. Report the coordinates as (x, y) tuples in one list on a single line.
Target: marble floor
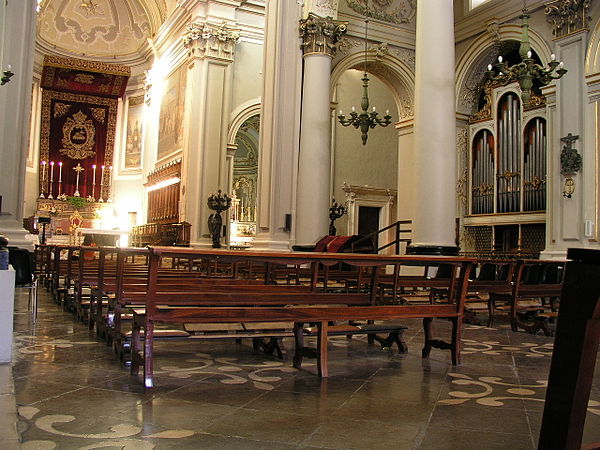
[(72, 393)]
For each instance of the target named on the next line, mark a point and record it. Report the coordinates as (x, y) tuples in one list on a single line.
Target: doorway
[(368, 222)]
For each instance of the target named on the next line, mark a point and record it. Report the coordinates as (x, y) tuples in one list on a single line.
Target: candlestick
[(101, 200), (109, 182), (93, 181), (43, 189), (77, 169), (50, 189), (60, 172)]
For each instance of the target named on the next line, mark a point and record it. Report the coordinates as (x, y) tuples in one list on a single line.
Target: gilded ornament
[(567, 16), (84, 78), (78, 137)]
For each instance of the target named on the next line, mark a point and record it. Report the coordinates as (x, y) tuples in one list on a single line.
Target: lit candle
[(552, 56), (51, 172), (529, 54), (499, 59), (353, 109), (373, 109), (94, 174), (43, 170), (60, 172), (489, 67), (102, 176)]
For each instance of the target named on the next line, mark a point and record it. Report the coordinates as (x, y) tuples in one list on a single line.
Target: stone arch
[(473, 62), (394, 73), (239, 115), (592, 58)]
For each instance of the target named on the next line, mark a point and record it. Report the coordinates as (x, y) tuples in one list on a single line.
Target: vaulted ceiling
[(103, 29)]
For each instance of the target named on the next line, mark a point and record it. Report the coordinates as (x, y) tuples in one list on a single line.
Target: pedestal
[(7, 306)]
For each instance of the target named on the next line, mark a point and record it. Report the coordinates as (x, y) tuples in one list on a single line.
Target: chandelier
[(365, 120), (527, 71)]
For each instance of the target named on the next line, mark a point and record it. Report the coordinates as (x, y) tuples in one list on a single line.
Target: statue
[(335, 212)]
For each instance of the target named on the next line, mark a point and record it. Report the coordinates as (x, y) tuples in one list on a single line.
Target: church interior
[(205, 134)]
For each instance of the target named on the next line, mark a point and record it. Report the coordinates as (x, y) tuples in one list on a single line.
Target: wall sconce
[(6, 75)]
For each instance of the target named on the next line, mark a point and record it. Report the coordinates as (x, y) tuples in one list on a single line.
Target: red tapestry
[(79, 116), (77, 134), (84, 77)]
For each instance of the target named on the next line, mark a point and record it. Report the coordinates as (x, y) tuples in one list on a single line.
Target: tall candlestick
[(100, 199), (60, 172), (51, 179), (93, 181), (77, 169), (109, 181), (43, 184)]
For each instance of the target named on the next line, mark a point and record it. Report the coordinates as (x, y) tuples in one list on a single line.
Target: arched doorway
[(244, 183)]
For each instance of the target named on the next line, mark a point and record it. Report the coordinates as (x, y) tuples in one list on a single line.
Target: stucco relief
[(393, 11), (113, 28)]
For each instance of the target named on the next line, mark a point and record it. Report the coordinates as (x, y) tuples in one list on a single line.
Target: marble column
[(279, 133), (435, 131), (17, 50), (210, 55), (319, 36)]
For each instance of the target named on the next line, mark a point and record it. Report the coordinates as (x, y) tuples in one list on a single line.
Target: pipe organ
[(507, 176)]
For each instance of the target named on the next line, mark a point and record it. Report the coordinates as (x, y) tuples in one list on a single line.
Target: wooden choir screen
[(163, 189)]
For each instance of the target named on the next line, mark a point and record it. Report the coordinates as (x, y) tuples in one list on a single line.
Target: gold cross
[(78, 168)]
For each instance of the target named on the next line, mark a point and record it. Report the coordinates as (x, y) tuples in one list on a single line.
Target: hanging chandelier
[(365, 120), (527, 71)]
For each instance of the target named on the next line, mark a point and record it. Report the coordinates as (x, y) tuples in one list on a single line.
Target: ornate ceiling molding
[(567, 16)]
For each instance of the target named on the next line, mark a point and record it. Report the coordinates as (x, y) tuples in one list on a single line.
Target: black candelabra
[(335, 212), (218, 202)]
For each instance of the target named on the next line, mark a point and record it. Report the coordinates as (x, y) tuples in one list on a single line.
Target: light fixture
[(527, 71), (365, 119)]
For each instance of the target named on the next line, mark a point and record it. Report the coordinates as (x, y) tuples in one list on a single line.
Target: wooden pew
[(536, 288), (277, 303)]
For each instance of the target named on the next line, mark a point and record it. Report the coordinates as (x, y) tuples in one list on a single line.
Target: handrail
[(395, 242)]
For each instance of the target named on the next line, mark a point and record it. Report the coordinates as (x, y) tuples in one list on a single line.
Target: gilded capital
[(211, 40), (567, 16), (320, 35)]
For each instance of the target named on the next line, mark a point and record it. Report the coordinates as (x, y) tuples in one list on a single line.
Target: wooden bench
[(535, 292), (275, 303)]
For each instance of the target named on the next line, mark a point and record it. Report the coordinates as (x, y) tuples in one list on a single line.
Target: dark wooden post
[(575, 352)]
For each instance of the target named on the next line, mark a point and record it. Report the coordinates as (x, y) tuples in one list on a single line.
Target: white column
[(204, 171), (435, 131), (279, 130), (7, 301), (17, 50), (314, 171)]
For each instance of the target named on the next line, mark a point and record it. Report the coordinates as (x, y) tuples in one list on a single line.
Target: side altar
[(66, 217)]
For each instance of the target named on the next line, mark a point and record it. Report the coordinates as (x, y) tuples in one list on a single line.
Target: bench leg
[(136, 346), (428, 337), (322, 360), (394, 337), (148, 355), (299, 344), (456, 338)]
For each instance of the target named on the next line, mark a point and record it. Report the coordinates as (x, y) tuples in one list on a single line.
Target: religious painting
[(170, 132), (133, 143)]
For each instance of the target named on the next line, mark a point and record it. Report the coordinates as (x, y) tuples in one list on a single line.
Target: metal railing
[(397, 239)]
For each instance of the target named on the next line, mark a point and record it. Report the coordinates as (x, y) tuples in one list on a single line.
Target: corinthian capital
[(567, 16), (320, 35), (211, 40)]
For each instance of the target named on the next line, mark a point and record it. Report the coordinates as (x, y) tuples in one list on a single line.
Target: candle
[(43, 170), (60, 172), (94, 174), (51, 172), (102, 176)]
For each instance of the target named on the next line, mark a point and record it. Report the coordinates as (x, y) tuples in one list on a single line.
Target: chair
[(22, 261)]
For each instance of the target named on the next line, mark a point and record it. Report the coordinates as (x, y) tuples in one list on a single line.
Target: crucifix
[(77, 169)]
